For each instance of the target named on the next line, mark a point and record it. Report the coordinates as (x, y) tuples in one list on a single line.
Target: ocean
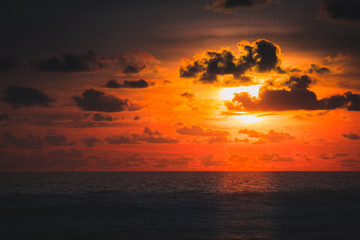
[(180, 205)]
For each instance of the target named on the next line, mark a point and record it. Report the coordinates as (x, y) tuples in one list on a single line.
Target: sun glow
[(248, 119), (228, 93)]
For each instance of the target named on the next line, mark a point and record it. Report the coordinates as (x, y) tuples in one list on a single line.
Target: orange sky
[(237, 96)]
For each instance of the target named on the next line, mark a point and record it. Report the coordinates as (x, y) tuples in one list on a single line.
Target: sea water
[(180, 205)]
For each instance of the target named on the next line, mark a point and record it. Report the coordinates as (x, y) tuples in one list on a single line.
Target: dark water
[(180, 205)]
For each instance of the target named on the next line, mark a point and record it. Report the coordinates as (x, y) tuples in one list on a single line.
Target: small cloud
[(101, 117), (28, 142), (198, 131), (141, 83), (274, 157), (7, 63), (93, 100), (351, 136), (57, 140), (232, 6), (189, 95), (271, 136), (90, 141), (68, 63), (26, 97)]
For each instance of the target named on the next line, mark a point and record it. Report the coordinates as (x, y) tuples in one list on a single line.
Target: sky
[(207, 85)]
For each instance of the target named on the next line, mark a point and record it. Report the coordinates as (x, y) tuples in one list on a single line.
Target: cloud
[(93, 100), (231, 6), (340, 11), (274, 157), (198, 131), (26, 97), (141, 83), (298, 97), (218, 139), (210, 161), (133, 68), (351, 136), (8, 63), (271, 136), (90, 141), (28, 142), (101, 117), (189, 95), (68, 63), (57, 140), (147, 136), (54, 160), (317, 68), (261, 56)]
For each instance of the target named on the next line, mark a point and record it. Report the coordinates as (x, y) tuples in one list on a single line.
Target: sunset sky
[(247, 85)]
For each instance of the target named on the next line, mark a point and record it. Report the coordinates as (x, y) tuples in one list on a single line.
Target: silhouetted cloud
[(274, 157), (7, 63), (317, 68), (342, 11), (141, 83), (69, 63), (93, 100), (147, 136), (90, 141), (189, 95), (102, 117), (298, 97), (28, 142), (57, 140), (351, 136), (271, 136), (26, 97), (261, 56), (55, 160), (133, 68), (198, 131), (231, 6)]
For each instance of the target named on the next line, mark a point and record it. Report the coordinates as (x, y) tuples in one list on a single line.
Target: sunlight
[(248, 119), (228, 93)]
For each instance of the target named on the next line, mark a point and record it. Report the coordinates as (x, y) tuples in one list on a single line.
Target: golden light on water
[(228, 93)]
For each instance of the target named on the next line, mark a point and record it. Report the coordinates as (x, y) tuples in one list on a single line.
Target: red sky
[(184, 86)]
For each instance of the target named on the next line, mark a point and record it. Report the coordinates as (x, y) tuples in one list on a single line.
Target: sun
[(228, 93)]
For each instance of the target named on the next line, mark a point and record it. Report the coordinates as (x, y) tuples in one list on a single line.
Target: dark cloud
[(351, 136), (28, 142), (93, 100), (90, 141), (141, 83), (298, 97), (55, 160), (7, 63), (147, 136), (269, 137), (317, 68), (57, 140), (342, 11), (189, 95), (137, 118), (102, 117), (231, 6), (26, 97), (198, 131), (133, 68), (261, 56), (274, 157), (69, 63)]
